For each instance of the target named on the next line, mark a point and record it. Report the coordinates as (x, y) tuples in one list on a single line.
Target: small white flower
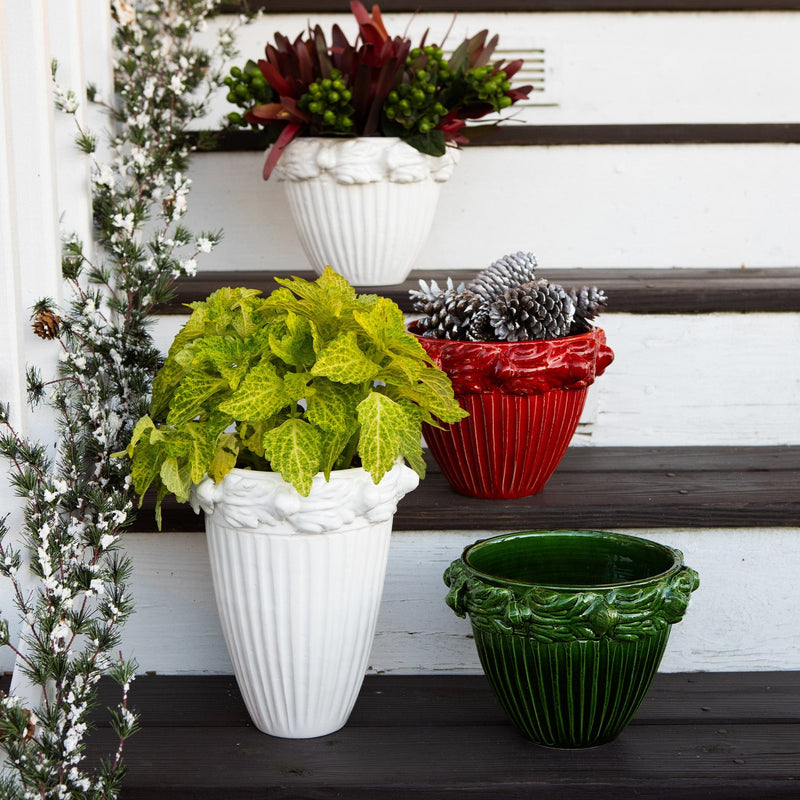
[(176, 84), (123, 223), (60, 635), (189, 267), (124, 12), (204, 244)]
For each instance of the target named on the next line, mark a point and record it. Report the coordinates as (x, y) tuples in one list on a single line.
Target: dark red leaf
[(323, 57), (512, 68), (377, 21), (275, 152), (274, 78), (305, 64)]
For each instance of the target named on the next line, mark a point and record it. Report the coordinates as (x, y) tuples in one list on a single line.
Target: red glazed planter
[(524, 401)]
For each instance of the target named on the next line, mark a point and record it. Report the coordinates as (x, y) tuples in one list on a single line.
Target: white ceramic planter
[(298, 583), (363, 206)]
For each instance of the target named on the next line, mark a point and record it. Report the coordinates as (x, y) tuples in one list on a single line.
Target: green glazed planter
[(570, 626)]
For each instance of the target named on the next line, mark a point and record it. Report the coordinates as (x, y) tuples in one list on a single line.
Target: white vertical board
[(743, 617), (72, 166), (574, 206), (11, 359), (613, 68)]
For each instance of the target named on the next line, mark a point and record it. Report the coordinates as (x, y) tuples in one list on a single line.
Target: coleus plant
[(310, 379), (378, 86)]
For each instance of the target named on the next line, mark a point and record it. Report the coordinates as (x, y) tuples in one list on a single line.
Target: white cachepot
[(298, 583), (363, 206)]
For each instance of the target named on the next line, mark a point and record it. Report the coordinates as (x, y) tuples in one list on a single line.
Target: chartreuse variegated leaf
[(344, 362), (226, 302), (334, 450), (149, 453), (292, 341), (411, 438), (230, 357), (330, 293), (145, 427), (384, 426), (295, 385), (294, 450), (176, 478), (164, 385), (383, 322), (259, 396), (224, 458), (251, 435), (332, 406), (192, 329), (193, 395), (401, 371), (433, 394), (203, 441)]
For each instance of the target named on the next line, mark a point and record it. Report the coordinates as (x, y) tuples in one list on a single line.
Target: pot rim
[(497, 580)]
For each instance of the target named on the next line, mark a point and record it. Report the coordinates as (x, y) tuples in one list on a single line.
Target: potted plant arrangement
[(360, 135), (521, 353), (570, 626), (287, 420)]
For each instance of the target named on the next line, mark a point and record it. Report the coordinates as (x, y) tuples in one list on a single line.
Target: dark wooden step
[(635, 291), (616, 487), (560, 135), (703, 735)]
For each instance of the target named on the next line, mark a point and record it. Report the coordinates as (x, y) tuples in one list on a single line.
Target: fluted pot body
[(363, 206), (298, 583), (524, 401), (570, 626)]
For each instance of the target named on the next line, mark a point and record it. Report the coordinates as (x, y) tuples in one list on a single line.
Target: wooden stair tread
[(705, 735), (616, 487), (638, 291)]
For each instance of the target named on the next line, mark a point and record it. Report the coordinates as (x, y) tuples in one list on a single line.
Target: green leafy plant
[(311, 379), (378, 86)]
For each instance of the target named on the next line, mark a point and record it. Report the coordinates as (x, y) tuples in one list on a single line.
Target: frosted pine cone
[(540, 310), (449, 314), (589, 302), (428, 293), (480, 328), (509, 271)]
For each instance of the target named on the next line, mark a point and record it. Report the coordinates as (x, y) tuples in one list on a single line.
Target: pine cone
[(449, 314), (506, 272), (46, 324), (480, 328), (540, 310), (589, 302), (428, 293)]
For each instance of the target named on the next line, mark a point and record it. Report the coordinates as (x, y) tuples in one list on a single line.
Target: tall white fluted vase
[(363, 206), (298, 583)]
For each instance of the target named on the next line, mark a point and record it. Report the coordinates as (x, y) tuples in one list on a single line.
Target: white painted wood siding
[(743, 617), (577, 206), (610, 68)]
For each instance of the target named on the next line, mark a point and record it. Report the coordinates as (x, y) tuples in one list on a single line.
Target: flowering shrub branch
[(77, 498)]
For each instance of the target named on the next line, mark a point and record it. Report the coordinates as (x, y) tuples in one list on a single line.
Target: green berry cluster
[(247, 87), (488, 86), (328, 101), (415, 104)]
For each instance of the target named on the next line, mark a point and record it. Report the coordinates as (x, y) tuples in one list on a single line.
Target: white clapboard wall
[(715, 379)]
